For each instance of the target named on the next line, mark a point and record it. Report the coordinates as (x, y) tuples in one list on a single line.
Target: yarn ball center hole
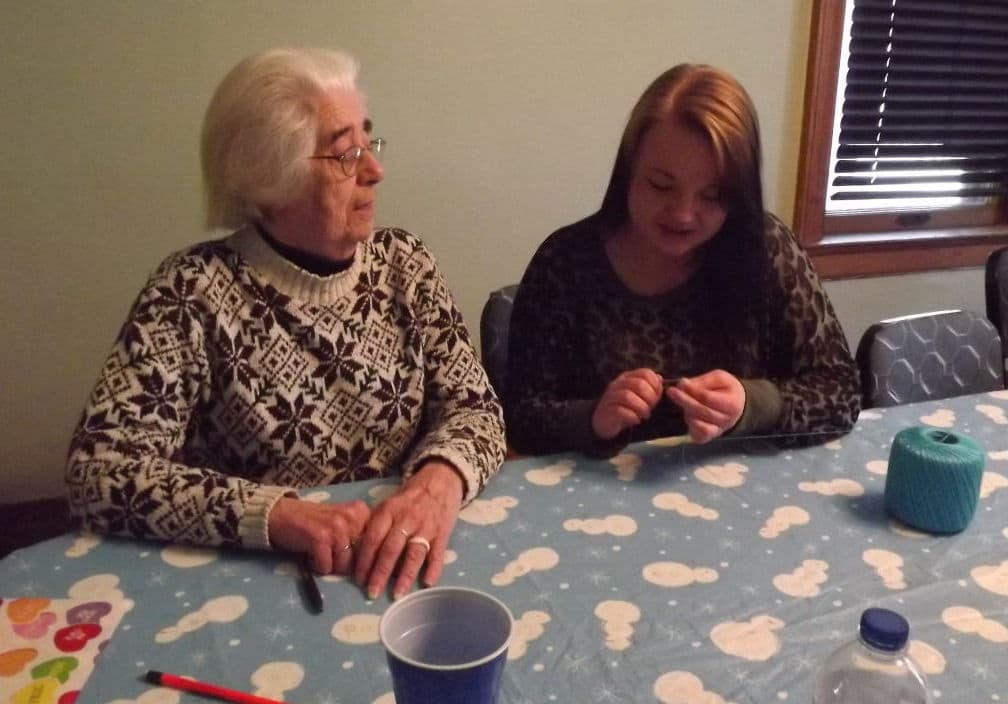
[(943, 438)]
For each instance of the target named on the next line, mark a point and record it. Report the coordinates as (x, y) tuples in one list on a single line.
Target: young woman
[(681, 305)]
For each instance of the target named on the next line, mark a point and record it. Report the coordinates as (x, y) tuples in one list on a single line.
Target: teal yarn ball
[(933, 482)]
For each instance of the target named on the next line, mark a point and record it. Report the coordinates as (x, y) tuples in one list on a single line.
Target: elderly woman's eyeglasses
[(351, 157)]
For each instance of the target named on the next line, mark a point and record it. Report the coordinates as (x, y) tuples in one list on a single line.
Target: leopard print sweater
[(239, 377), (575, 326)]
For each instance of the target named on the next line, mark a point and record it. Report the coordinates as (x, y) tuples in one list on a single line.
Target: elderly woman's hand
[(409, 527), (712, 403), (324, 532), (626, 402)]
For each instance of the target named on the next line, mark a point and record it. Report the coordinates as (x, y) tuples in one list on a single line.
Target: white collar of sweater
[(291, 280)]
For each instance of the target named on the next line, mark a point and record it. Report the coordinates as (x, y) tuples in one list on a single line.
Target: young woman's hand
[(626, 402), (712, 403)]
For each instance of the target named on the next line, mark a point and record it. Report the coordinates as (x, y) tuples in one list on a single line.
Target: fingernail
[(396, 596), (372, 594)]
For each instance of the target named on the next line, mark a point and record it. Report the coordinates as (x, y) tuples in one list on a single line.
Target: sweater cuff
[(253, 528), (763, 406), (461, 465), (583, 438)]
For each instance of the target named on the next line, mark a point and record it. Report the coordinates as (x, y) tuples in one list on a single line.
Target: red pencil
[(210, 690)]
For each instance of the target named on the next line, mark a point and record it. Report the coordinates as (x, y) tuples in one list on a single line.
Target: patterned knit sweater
[(575, 327), (239, 377)]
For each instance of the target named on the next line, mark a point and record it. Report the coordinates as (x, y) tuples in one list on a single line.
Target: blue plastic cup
[(446, 645)]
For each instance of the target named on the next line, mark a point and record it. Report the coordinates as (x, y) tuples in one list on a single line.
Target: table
[(669, 573)]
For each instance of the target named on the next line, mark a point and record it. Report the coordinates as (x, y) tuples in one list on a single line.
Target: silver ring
[(419, 540), (404, 532), (348, 546)]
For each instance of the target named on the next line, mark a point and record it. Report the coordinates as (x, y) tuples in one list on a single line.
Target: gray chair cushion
[(996, 289), (494, 324), (929, 356)]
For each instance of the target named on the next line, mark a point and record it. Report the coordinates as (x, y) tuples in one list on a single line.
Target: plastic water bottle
[(875, 668)]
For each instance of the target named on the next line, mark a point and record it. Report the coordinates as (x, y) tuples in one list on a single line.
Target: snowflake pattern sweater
[(239, 377)]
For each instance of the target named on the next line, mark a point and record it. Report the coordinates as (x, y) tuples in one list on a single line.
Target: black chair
[(29, 522), (495, 322), (929, 356), (996, 289)]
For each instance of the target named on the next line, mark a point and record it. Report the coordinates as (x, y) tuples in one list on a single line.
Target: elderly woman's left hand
[(712, 403), (408, 528)]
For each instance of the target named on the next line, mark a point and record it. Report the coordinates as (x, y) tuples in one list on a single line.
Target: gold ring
[(348, 546), (419, 540)]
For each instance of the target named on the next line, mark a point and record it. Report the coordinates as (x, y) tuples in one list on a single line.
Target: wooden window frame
[(890, 243)]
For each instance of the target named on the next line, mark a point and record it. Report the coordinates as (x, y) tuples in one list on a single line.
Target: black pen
[(311, 586), (668, 382)]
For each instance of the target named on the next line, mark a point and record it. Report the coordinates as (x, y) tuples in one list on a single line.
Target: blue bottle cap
[(884, 629)]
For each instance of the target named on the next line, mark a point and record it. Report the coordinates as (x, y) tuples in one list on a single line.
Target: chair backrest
[(996, 290), (494, 324), (929, 356)]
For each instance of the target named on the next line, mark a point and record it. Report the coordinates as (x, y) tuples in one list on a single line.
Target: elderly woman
[(304, 349), (682, 306)]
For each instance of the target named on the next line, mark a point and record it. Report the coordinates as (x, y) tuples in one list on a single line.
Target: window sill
[(838, 257)]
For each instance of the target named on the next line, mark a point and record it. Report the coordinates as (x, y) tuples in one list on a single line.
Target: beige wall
[(502, 120)]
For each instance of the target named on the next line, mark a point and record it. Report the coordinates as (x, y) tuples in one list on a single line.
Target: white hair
[(261, 125)]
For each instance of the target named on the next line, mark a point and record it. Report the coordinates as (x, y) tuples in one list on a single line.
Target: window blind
[(924, 118)]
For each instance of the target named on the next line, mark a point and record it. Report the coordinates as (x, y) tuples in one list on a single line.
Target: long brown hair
[(716, 105)]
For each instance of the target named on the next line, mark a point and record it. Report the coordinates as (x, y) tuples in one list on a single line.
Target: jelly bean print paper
[(49, 647)]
